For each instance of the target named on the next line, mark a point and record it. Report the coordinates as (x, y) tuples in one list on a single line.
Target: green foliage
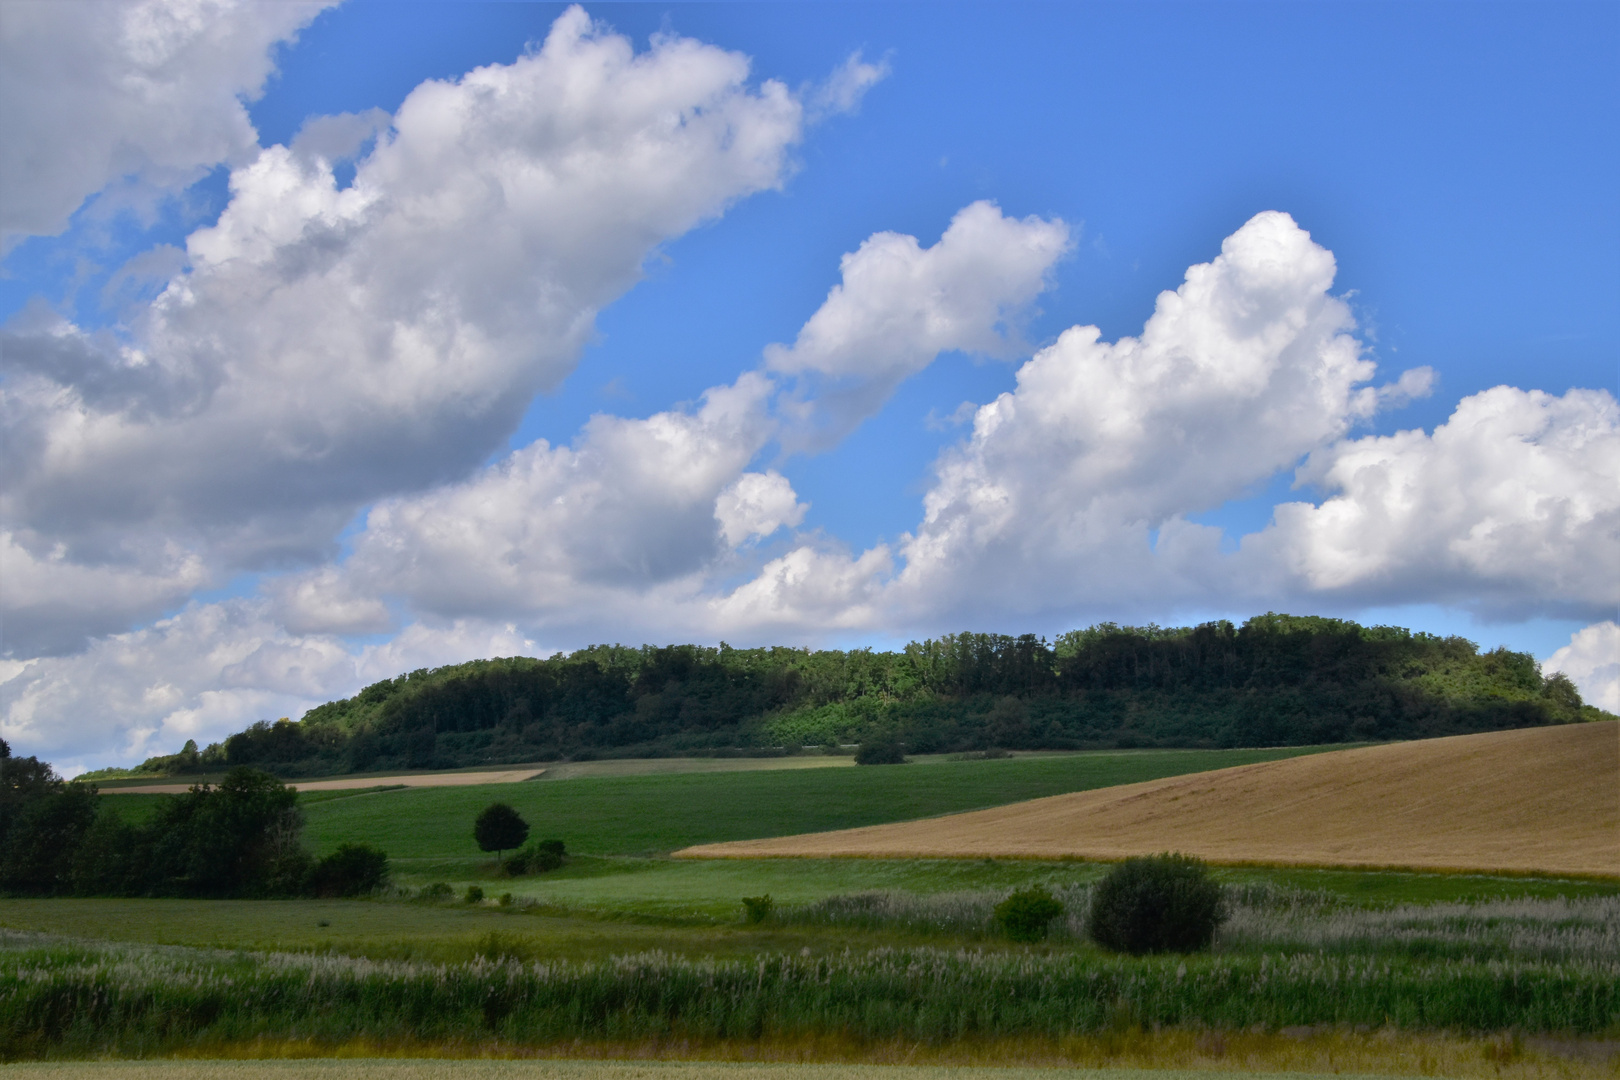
[(1025, 914), (1275, 680), (499, 828), (351, 870), (439, 890), (756, 909), (880, 751), (474, 894), (538, 858), (71, 1000), (1162, 903), (240, 838)]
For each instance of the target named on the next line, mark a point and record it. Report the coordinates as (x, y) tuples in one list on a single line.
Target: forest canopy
[(1274, 680)]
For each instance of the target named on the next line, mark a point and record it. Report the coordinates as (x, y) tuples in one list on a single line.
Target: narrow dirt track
[(1540, 800)]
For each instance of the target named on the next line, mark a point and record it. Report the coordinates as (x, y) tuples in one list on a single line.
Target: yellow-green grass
[(653, 814), (1126, 1055), (450, 932), (709, 889), (1537, 800)]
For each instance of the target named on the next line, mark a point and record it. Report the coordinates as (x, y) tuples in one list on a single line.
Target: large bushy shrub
[(351, 870), (537, 858), (880, 752), (1161, 903)]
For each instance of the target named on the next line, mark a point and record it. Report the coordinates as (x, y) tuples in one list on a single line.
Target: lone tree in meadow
[(500, 828)]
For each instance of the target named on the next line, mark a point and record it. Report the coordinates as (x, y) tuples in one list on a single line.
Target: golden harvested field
[(1539, 800)]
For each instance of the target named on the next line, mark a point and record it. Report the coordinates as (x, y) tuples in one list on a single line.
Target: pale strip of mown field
[(1173, 1056), (511, 774), (1537, 800)]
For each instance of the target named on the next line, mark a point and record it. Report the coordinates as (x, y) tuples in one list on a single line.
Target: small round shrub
[(1025, 914), (880, 752), (1162, 903), (756, 908), (439, 890), (475, 894)]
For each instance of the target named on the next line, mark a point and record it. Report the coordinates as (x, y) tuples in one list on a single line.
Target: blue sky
[(1456, 160)]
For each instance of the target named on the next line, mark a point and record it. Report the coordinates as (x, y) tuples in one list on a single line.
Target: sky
[(339, 340)]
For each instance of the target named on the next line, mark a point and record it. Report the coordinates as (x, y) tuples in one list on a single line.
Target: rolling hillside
[(1537, 800)]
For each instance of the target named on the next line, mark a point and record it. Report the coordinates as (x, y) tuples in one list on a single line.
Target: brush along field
[(1538, 800)]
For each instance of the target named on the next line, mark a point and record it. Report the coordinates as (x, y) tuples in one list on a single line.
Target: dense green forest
[(1275, 680)]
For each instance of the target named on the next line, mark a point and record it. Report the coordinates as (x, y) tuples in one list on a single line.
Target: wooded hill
[(1276, 680)]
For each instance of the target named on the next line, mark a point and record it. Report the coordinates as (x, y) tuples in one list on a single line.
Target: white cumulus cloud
[(205, 673), (149, 90), (755, 505), (1592, 662), (900, 305), (331, 346), (1511, 507), (1240, 372), (632, 504)]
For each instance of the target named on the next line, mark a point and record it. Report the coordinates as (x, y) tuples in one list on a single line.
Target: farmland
[(1539, 799), (624, 952), (656, 814)]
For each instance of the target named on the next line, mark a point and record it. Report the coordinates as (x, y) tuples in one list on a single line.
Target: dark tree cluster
[(1274, 680), (239, 838)]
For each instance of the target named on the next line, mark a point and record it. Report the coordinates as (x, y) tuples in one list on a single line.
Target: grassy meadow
[(625, 952), (657, 814)]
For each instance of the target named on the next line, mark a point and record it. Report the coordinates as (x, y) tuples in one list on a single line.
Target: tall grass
[(1268, 919), (66, 998), (1556, 931)]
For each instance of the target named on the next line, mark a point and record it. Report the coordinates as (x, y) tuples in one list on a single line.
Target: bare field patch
[(1536, 800), (1130, 1055), (571, 770)]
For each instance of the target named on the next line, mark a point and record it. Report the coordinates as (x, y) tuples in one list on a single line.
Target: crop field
[(1532, 800), (658, 813)]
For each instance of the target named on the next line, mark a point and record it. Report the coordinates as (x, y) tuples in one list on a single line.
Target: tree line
[(1274, 680), (239, 838)]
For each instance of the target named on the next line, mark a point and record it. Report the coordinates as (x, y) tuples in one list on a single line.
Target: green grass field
[(647, 815)]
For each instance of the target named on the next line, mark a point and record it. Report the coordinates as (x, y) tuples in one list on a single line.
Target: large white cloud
[(149, 90), (631, 505), (1245, 368), (329, 346), (1511, 507), (1592, 662), (900, 305), (634, 524), (206, 672)]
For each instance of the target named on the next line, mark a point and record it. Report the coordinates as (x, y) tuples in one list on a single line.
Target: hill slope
[(1277, 680), (1542, 799)]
